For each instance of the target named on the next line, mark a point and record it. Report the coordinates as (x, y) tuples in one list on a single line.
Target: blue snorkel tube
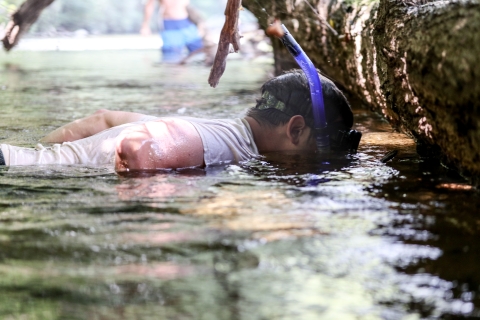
[(311, 73)]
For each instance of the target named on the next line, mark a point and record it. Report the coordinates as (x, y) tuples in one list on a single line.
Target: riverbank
[(82, 42)]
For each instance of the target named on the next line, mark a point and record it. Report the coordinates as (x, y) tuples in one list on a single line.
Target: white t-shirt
[(224, 141)]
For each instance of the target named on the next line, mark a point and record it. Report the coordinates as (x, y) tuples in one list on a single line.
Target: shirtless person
[(281, 121), (178, 30)]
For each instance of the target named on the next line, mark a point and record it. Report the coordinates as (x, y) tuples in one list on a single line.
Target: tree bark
[(415, 62), (22, 20)]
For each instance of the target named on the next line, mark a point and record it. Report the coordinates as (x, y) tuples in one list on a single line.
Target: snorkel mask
[(343, 140)]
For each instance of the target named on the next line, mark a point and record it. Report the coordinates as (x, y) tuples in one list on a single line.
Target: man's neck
[(266, 138)]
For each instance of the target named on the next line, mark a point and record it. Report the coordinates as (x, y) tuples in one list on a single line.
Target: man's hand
[(145, 30)]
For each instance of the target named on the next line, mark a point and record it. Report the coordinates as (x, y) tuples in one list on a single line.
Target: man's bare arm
[(147, 15), (90, 125)]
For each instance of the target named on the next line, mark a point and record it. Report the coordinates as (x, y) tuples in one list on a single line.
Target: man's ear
[(295, 128)]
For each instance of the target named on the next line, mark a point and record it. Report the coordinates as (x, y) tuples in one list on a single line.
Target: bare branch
[(22, 20), (229, 35)]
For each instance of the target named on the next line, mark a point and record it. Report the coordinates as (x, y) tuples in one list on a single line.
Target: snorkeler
[(281, 121)]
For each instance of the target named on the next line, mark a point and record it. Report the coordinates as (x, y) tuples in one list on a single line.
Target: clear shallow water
[(324, 237)]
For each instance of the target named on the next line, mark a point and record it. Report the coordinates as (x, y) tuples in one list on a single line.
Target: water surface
[(283, 237)]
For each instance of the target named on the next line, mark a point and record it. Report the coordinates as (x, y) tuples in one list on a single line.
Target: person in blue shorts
[(178, 32)]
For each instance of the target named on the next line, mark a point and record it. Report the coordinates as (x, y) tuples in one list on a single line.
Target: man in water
[(177, 30), (282, 121)]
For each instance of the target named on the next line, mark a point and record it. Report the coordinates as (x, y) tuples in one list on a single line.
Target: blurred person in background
[(179, 28)]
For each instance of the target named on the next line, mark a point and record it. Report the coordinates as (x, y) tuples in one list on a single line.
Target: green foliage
[(95, 16), (7, 7), (210, 7), (104, 16)]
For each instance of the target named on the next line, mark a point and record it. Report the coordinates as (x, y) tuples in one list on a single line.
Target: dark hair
[(289, 94)]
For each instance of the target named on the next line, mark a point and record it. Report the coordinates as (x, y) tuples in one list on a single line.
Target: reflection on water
[(329, 236)]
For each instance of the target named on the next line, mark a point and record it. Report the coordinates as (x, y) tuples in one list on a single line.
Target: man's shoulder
[(216, 121)]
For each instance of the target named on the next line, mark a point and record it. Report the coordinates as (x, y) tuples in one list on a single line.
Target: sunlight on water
[(329, 236)]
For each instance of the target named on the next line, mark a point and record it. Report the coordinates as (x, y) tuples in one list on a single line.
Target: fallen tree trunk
[(415, 62), (22, 20)]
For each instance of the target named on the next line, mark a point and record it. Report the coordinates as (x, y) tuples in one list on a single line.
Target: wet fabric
[(178, 35), (98, 149), (224, 141)]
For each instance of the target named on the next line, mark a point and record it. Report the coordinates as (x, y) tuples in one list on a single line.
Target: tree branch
[(229, 35), (22, 20)]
